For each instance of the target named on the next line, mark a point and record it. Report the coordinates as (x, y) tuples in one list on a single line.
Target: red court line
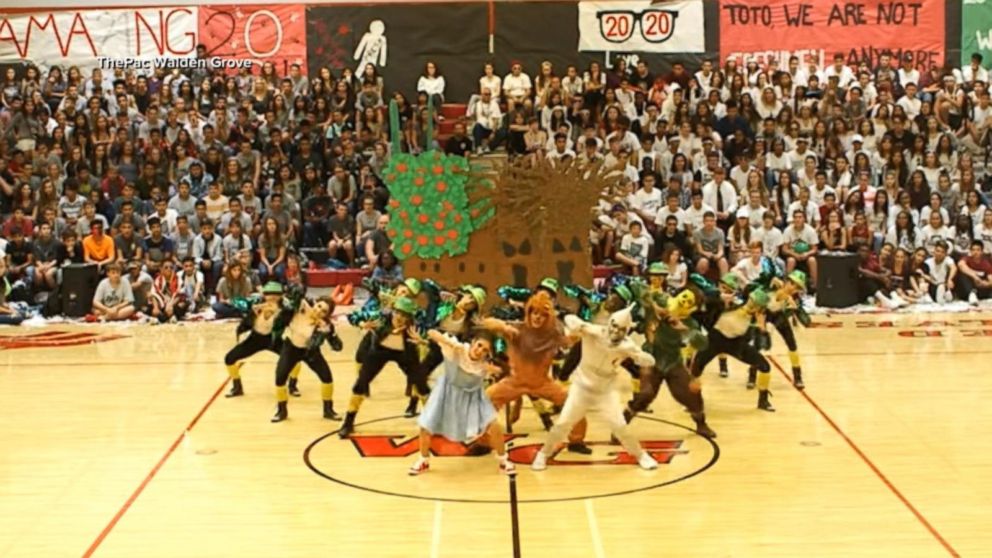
[(151, 474), (885, 480)]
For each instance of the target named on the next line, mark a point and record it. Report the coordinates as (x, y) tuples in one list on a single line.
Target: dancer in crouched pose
[(309, 328), (458, 408), (592, 387)]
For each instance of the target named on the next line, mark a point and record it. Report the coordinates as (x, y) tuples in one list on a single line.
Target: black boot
[(411, 408), (349, 425), (628, 415), (723, 368), (797, 378), (763, 403), (579, 447), (282, 413), (547, 421), (329, 411), (236, 390), (293, 390), (752, 377), (702, 428)]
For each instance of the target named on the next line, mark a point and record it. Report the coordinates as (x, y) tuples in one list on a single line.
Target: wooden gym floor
[(126, 447)]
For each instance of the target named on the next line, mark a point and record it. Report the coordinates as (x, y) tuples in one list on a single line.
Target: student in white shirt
[(490, 81), (516, 85), (770, 237), (647, 200), (939, 273), (635, 248), (671, 208), (721, 195), (799, 246), (696, 210), (935, 232)]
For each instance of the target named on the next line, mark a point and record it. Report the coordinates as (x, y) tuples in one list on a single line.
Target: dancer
[(593, 388), (395, 340), (730, 335), (783, 306), (532, 346), (451, 313), (458, 408), (260, 320), (669, 326), (309, 328)]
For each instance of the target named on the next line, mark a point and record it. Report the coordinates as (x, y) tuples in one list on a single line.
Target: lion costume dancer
[(531, 347), (669, 327), (593, 384)]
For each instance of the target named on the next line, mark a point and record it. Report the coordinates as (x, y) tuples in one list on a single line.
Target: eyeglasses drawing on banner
[(617, 26)]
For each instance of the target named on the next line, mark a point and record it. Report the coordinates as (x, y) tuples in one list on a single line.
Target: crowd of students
[(189, 189)]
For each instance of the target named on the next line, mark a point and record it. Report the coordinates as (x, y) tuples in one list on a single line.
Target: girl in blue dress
[(458, 408)]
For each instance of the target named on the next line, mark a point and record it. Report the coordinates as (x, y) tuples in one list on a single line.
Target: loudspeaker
[(837, 280), (78, 286)]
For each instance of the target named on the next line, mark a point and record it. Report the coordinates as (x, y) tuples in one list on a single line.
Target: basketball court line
[(871, 465), (151, 474), (597, 540)]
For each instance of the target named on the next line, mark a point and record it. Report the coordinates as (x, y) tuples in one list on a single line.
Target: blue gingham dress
[(458, 408)]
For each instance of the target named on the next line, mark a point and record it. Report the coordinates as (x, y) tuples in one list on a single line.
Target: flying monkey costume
[(265, 320), (783, 307), (396, 341), (731, 335), (302, 340), (668, 328), (593, 389)]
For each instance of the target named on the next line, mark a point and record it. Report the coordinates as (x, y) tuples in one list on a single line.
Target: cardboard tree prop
[(509, 225)]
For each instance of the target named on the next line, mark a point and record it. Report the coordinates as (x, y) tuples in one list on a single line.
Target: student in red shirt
[(975, 277)]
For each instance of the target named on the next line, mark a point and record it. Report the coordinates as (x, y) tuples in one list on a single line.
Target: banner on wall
[(641, 26), (818, 29), (84, 37), (276, 34), (976, 30)]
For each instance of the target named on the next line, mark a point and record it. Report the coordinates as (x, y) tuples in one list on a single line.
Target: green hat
[(623, 292), (477, 293), (405, 305), (799, 278), (658, 268), (272, 288), (759, 297), (549, 283), (730, 280), (413, 285)]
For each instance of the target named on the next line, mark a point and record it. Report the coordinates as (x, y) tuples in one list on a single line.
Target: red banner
[(862, 31), (275, 33)]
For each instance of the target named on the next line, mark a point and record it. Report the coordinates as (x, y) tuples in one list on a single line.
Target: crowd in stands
[(189, 189)]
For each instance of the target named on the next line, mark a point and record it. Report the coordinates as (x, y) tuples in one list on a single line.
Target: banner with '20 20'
[(642, 26)]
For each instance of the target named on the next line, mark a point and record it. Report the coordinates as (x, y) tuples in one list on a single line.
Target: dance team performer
[(389, 340), (531, 347), (458, 408), (593, 387), (308, 329)]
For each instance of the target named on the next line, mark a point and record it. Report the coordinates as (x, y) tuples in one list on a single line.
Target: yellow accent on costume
[(327, 391), (764, 378), (635, 383), (295, 372), (355, 403), (417, 394), (282, 394), (794, 359), (234, 370)]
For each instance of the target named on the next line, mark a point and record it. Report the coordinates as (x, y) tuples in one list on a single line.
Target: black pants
[(376, 359), (738, 347), (433, 359), (250, 346), (571, 362), (784, 327), (290, 355), (965, 285), (677, 378), (867, 287)]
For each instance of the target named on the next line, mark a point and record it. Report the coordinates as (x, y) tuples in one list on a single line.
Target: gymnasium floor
[(126, 447)]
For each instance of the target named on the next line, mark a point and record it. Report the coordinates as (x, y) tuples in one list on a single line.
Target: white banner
[(642, 26), (82, 37)]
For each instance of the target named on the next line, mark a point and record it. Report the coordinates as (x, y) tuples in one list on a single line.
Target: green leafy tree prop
[(432, 215)]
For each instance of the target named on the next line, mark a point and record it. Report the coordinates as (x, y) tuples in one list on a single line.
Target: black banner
[(453, 36)]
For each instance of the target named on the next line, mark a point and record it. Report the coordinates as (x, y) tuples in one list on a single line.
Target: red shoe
[(90, 318)]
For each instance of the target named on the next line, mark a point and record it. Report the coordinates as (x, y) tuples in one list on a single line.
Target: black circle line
[(712, 461)]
